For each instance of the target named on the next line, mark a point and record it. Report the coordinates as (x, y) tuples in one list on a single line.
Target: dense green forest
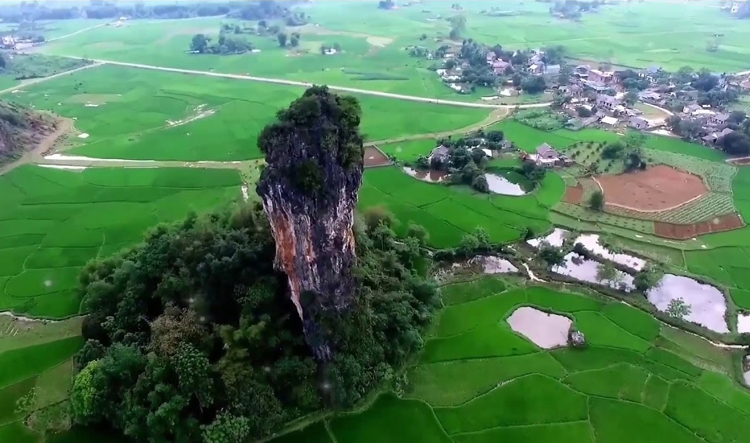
[(192, 335)]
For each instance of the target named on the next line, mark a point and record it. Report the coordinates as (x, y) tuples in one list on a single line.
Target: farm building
[(606, 102), (440, 154), (718, 119), (598, 76), (609, 120), (638, 123), (714, 137), (546, 155), (552, 70), (499, 66)]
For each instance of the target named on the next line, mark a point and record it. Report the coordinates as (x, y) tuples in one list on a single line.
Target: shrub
[(596, 201)]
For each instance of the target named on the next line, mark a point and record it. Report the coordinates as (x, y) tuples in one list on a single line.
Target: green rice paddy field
[(637, 34), (54, 221), (478, 381), (448, 213), (475, 380), (126, 113)]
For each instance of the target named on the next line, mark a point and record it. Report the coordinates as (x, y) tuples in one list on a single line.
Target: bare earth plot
[(659, 188)]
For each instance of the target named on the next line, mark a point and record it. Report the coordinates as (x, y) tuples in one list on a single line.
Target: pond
[(501, 185), (494, 265), (743, 322), (581, 269), (430, 176), (545, 330), (555, 238), (592, 243), (489, 264), (508, 181), (706, 303)]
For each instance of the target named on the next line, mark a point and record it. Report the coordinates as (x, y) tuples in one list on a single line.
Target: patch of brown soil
[(374, 157), (573, 194), (684, 232), (42, 140), (658, 188)]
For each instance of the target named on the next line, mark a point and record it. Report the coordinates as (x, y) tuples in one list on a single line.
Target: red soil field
[(573, 194), (374, 157), (684, 232), (658, 188)]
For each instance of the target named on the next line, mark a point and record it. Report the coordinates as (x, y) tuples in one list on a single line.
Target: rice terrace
[(375, 221)]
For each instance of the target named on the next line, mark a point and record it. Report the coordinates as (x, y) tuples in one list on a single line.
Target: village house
[(718, 119), (506, 145), (499, 66), (597, 76), (650, 97), (714, 137), (536, 68), (491, 57), (580, 123), (552, 70), (690, 109), (574, 91), (8, 42), (546, 156), (582, 71), (440, 154), (610, 121), (638, 123), (606, 102)]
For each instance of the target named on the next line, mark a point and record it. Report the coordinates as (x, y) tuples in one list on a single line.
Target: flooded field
[(581, 269), (706, 303), (501, 185), (545, 330)]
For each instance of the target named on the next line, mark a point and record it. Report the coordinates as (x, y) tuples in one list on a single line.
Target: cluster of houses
[(453, 77), (600, 92), (545, 156), (9, 42), (712, 122), (591, 89)]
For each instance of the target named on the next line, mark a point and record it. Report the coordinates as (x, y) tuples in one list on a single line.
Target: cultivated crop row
[(705, 208), (718, 176)]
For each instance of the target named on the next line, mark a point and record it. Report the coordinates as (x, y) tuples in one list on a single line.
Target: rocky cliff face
[(21, 129), (309, 191)]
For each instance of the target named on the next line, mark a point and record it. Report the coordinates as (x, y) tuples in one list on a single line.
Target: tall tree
[(282, 37), (199, 43)]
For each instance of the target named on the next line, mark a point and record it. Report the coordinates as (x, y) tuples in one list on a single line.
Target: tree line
[(99, 9)]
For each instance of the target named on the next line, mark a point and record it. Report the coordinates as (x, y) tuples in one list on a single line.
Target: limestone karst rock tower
[(314, 157)]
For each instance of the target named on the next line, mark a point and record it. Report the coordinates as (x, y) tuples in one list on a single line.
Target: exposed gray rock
[(309, 192)]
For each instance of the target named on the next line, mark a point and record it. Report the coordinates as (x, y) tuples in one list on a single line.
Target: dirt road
[(76, 32), (494, 117), (280, 81), (32, 81)]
